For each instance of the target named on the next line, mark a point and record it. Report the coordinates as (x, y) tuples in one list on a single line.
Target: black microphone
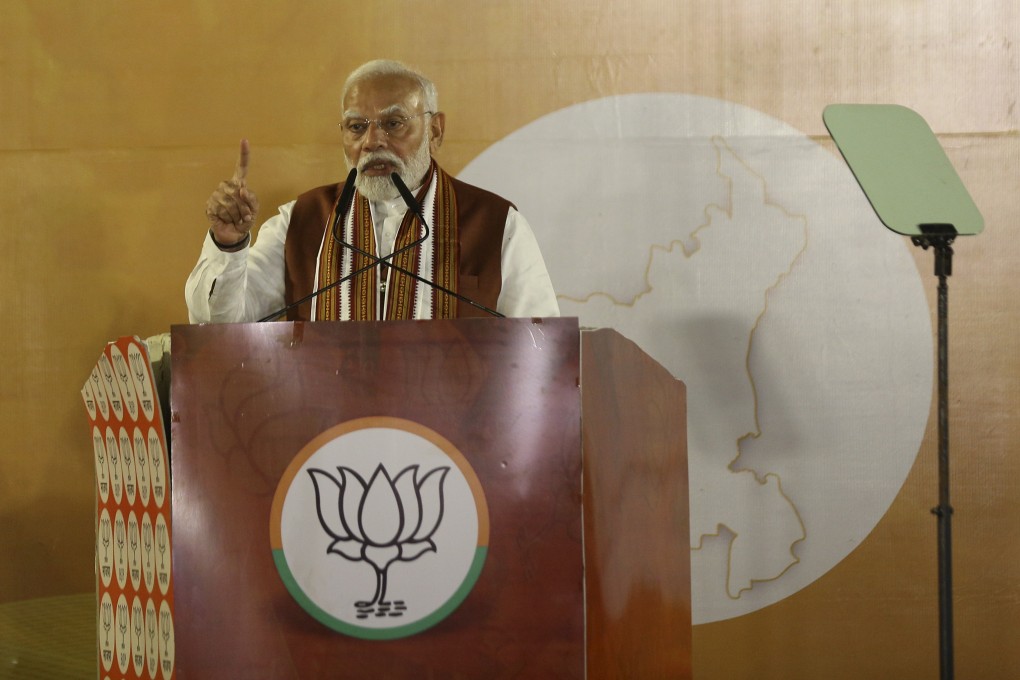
[(346, 197), (413, 206), (343, 205), (408, 197)]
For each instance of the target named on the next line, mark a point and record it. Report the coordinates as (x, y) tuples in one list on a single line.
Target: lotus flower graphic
[(385, 520)]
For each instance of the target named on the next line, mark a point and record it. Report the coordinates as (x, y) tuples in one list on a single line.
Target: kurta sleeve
[(240, 286), (526, 289)]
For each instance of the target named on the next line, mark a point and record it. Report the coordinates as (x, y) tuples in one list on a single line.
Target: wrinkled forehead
[(383, 95)]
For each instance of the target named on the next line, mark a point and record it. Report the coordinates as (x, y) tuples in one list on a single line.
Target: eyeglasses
[(392, 126)]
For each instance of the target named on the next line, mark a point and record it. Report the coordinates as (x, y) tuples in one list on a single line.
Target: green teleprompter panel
[(902, 168)]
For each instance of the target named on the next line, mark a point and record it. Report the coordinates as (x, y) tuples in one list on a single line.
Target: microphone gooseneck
[(415, 208), (347, 195), (343, 205), (408, 197)]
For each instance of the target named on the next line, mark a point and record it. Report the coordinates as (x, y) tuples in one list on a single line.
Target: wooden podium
[(577, 440)]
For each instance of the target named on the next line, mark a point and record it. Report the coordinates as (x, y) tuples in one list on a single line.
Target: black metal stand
[(908, 180), (940, 237)]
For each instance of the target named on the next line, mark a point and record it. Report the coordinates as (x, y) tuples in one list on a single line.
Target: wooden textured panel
[(247, 397), (635, 513)]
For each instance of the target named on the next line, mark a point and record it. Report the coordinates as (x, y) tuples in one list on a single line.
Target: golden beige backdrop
[(119, 118)]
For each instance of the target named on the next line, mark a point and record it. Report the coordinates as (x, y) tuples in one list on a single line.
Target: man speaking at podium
[(456, 250)]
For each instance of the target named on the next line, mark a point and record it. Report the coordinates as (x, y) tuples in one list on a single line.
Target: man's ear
[(437, 125)]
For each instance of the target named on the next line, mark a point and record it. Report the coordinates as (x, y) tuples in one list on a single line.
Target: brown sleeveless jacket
[(481, 219)]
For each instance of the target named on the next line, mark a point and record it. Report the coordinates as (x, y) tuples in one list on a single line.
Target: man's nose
[(375, 138)]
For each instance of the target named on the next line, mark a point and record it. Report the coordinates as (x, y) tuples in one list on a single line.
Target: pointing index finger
[(241, 170)]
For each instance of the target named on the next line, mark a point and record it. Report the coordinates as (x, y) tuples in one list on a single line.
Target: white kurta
[(249, 284)]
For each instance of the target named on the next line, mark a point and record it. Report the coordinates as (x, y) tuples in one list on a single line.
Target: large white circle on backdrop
[(743, 257)]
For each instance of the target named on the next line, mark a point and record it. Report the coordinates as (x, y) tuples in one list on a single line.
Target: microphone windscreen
[(347, 195), (405, 193)]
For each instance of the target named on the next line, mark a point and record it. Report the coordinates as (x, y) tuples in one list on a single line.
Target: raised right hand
[(233, 207)]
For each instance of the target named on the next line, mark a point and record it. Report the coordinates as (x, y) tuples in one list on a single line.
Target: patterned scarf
[(379, 287)]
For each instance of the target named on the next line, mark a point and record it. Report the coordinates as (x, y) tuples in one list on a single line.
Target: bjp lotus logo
[(379, 528), (379, 522)]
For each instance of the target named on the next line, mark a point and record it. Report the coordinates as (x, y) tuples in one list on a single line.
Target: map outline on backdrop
[(741, 255)]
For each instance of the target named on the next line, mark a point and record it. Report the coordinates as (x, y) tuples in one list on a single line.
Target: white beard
[(382, 188)]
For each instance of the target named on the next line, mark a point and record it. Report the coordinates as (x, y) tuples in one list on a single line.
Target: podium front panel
[(246, 399)]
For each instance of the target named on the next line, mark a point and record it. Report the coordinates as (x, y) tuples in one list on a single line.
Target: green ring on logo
[(365, 633), (474, 568)]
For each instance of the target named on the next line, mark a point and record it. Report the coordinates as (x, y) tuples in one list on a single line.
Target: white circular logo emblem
[(379, 528)]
